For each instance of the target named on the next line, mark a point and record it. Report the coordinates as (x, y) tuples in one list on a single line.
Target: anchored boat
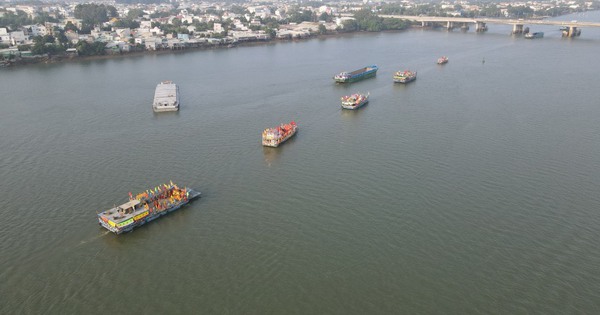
[(354, 101), (442, 60), (273, 137), (166, 97), (145, 207), (534, 35), (356, 75), (405, 76)]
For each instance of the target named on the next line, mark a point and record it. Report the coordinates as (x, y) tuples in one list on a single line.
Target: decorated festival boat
[(273, 137), (145, 207), (356, 75), (405, 76), (354, 101)]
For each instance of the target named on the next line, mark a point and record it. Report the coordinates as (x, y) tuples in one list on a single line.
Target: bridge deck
[(491, 21)]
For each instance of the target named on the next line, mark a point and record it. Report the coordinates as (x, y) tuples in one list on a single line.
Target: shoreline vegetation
[(65, 57)]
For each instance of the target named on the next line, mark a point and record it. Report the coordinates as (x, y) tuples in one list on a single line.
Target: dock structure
[(570, 28)]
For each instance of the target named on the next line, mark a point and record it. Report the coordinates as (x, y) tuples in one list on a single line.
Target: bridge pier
[(480, 27), (568, 29), (571, 31), (517, 29)]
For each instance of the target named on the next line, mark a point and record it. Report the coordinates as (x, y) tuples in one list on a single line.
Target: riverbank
[(24, 61)]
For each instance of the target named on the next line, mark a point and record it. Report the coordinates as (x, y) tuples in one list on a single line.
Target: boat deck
[(166, 94)]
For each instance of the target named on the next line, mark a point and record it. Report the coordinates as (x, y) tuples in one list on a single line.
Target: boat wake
[(103, 234)]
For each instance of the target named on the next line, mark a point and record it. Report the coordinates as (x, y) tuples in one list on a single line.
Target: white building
[(146, 24), (38, 30), (18, 37), (4, 36), (123, 33)]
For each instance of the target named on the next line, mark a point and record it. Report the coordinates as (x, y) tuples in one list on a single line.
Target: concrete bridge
[(570, 29)]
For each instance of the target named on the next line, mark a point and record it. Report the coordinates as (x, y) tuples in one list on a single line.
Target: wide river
[(473, 190)]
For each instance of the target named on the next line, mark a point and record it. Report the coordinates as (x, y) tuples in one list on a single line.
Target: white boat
[(534, 35), (166, 97), (354, 101)]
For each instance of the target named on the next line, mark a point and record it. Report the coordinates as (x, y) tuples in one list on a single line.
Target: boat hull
[(151, 217), (355, 106), (357, 77), (404, 80), (165, 109)]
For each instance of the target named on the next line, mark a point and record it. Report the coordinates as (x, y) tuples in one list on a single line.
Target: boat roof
[(130, 204)]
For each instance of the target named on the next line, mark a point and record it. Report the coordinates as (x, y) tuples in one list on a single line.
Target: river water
[(471, 190)]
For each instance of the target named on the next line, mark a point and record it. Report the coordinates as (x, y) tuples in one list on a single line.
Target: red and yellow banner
[(141, 215)]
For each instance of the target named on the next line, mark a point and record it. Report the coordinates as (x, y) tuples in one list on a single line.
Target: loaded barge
[(145, 207), (166, 97), (356, 75)]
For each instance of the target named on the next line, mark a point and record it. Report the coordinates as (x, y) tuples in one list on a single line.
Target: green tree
[(176, 22), (86, 49), (368, 21), (62, 39), (127, 23), (135, 13), (14, 20), (237, 9), (322, 29), (271, 32), (520, 11), (325, 17), (389, 8), (349, 26), (43, 17), (71, 27), (93, 14), (395, 24), (111, 11), (49, 39), (298, 16)]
